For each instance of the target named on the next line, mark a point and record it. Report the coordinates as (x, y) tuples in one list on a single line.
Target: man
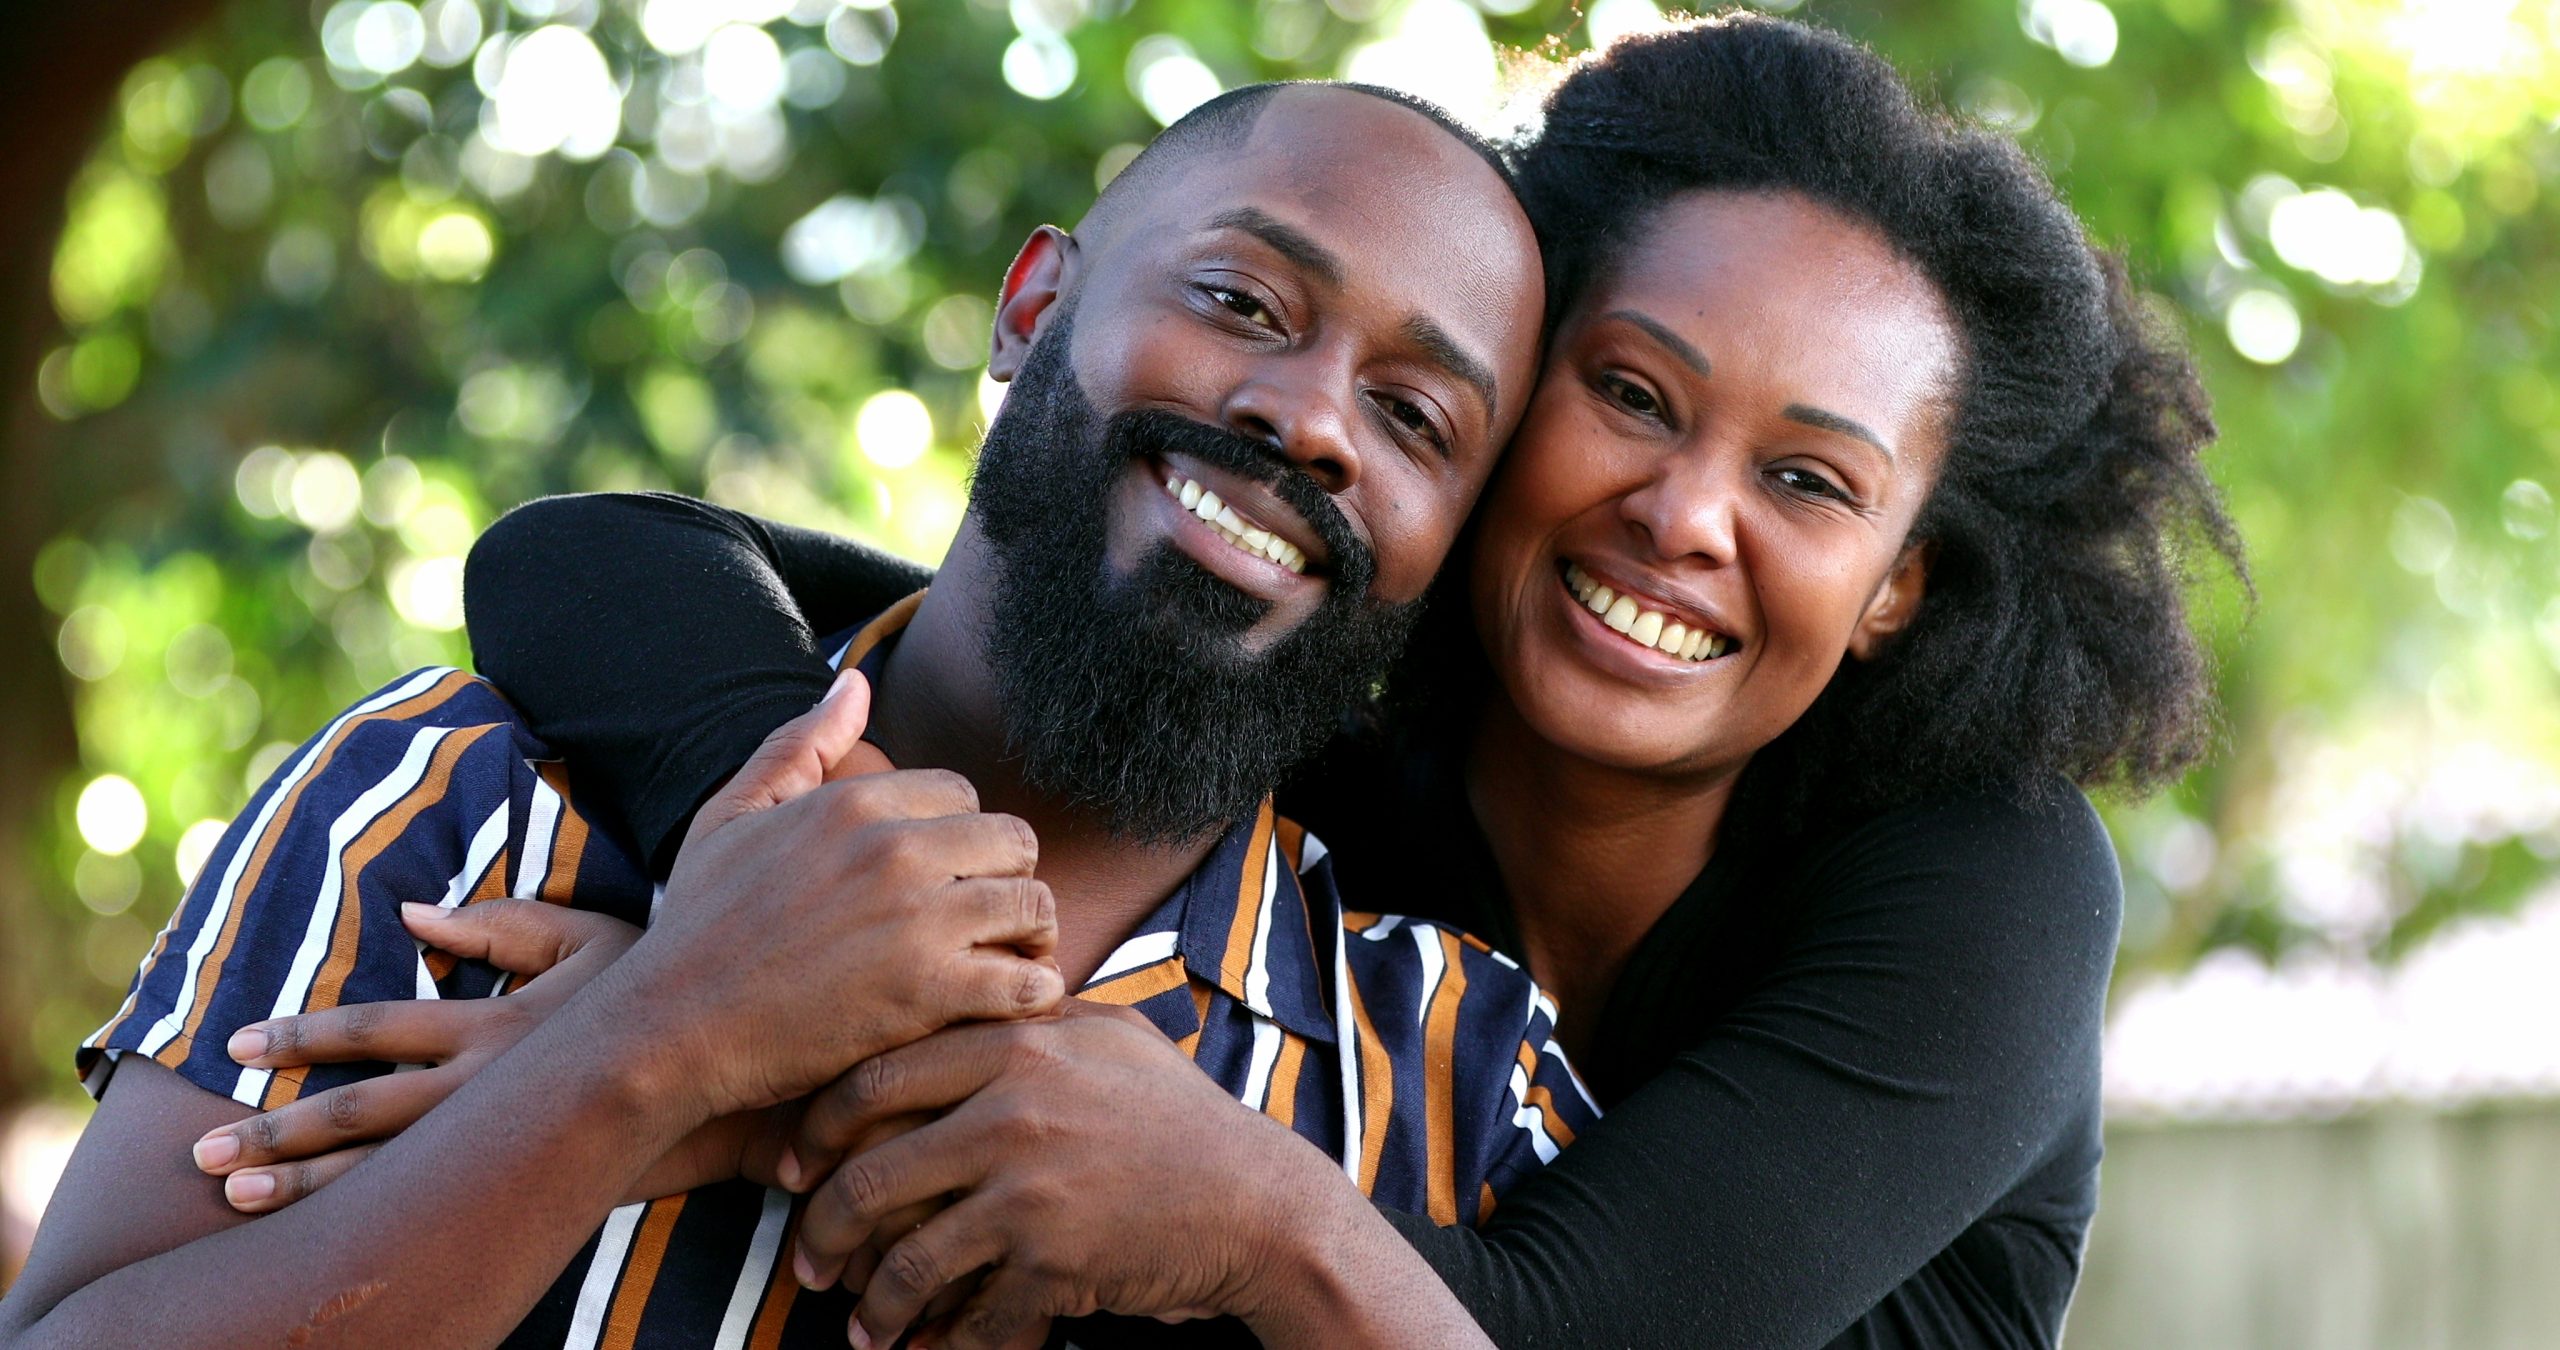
[(1259, 389)]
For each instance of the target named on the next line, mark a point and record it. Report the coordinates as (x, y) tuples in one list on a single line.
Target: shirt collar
[(1248, 925), (1242, 921)]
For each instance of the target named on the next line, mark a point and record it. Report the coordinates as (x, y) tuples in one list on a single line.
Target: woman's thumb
[(797, 757)]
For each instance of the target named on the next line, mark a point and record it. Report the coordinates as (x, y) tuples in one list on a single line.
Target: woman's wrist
[(645, 1054)]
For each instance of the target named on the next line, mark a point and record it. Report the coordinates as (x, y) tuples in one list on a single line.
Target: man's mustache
[(1147, 431)]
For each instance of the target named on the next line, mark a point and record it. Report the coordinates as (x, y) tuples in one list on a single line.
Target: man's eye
[(1413, 419), (1631, 396), (1241, 305)]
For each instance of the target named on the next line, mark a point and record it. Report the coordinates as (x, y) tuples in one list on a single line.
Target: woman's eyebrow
[(1654, 328), (1832, 421)]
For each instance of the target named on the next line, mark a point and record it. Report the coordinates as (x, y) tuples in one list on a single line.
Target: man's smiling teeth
[(1643, 627), (1242, 533)]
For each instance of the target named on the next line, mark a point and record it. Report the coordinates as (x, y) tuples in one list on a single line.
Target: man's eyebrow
[(1445, 353), (1680, 347), (1832, 421), (1285, 239)]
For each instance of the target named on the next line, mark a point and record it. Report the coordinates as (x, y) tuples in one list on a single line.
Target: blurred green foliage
[(339, 283)]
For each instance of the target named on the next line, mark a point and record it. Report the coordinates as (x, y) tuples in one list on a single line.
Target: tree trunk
[(58, 78)]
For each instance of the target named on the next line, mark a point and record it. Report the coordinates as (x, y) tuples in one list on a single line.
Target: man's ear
[(1895, 604), (1040, 273)]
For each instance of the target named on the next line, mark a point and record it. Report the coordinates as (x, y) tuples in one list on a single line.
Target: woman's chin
[(1612, 727)]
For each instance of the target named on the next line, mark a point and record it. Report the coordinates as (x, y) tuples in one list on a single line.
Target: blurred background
[(294, 298)]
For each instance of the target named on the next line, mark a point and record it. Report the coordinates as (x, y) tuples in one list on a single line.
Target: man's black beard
[(1134, 696)]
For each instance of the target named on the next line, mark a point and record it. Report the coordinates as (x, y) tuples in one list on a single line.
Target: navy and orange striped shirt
[(1418, 1057)]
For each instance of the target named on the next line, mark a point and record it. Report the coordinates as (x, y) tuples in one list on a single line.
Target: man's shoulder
[(438, 759), (430, 790)]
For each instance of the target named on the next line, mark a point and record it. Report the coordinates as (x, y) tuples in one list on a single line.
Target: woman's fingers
[(952, 1244), (800, 754), (867, 1188), (260, 1190), (396, 1031), (521, 937), (374, 1109)]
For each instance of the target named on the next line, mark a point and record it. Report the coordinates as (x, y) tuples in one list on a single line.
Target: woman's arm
[(1896, 1130), (654, 640)]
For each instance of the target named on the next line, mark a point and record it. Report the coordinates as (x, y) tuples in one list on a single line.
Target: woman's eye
[(1631, 396), (1811, 484)]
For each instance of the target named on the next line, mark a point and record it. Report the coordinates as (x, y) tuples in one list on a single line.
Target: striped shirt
[(1415, 1055)]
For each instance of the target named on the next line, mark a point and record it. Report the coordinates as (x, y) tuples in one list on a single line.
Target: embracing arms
[(1829, 1150), (752, 599), (764, 987), (1890, 1140)]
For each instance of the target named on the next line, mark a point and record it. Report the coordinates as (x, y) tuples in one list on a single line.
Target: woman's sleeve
[(653, 640), (1891, 1142)]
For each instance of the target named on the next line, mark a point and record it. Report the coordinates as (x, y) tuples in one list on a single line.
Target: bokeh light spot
[(325, 492), (1168, 78), (894, 428), (1039, 66), (2263, 326), (196, 846), (111, 814)]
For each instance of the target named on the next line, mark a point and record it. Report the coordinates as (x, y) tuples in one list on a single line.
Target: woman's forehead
[(1779, 287)]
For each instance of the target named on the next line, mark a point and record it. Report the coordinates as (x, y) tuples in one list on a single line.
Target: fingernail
[(853, 1332), (806, 1273), (248, 1188), (216, 1150), (412, 910), (247, 1044), (787, 1169), (843, 681)]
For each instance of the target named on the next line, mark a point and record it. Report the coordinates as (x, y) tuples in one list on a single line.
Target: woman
[(1840, 541)]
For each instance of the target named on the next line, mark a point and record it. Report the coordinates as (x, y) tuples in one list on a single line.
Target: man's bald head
[(1226, 122)]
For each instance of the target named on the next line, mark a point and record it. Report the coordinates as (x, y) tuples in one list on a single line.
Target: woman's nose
[(1298, 413), (1688, 509)]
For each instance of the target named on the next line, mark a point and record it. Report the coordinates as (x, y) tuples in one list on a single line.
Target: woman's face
[(1706, 505)]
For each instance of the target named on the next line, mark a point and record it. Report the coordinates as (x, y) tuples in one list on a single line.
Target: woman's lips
[(1653, 629)]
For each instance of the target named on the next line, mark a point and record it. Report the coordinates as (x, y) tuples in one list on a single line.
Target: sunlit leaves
[(115, 245), (340, 281)]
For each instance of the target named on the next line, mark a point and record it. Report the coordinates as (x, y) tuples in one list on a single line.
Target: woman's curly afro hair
[(2053, 641)]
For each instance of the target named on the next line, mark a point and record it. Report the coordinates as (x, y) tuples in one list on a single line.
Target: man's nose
[(1303, 411)]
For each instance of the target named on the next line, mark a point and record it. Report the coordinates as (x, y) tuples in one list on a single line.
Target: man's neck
[(936, 707)]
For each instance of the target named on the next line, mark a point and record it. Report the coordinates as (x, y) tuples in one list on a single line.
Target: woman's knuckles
[(342, 1110)]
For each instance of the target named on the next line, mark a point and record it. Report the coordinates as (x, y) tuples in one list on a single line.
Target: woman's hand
[(269, 1161), (1066, 1138)]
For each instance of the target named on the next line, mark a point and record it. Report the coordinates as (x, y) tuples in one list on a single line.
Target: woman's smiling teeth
[(1643, 627), (1235, 529)]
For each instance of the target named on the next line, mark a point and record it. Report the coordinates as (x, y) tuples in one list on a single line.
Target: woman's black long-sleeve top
[(1851, 1082)]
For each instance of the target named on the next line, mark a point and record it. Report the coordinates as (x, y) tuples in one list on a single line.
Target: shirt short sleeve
[(431, 790)]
